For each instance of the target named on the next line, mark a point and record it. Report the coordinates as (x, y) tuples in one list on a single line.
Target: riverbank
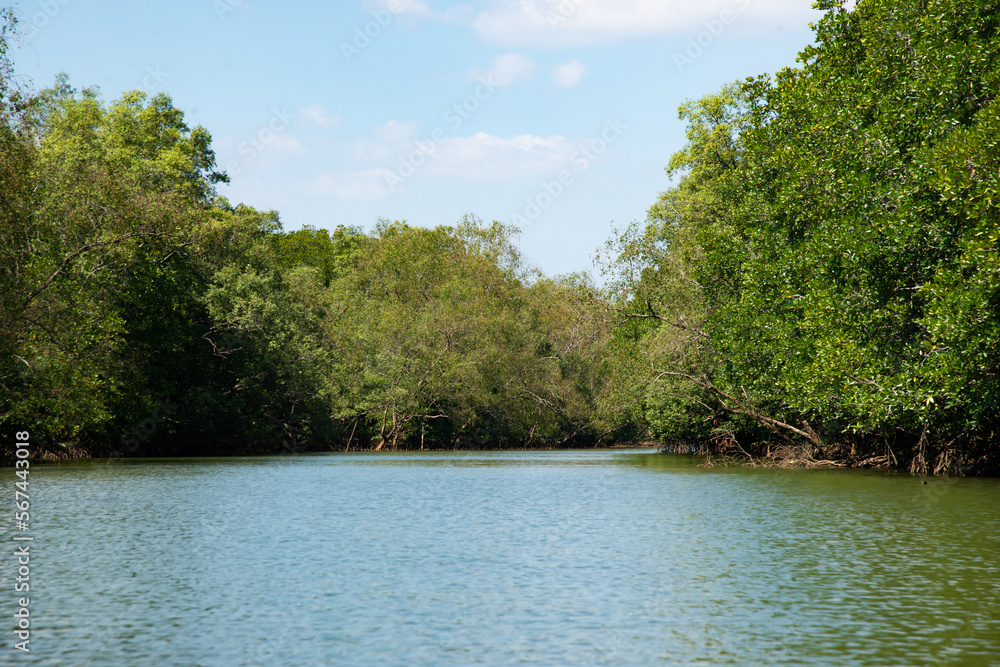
[(942, 463), (45, 452), (980, 458)]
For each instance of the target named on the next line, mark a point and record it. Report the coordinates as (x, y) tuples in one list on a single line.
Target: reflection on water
[(544, 558)]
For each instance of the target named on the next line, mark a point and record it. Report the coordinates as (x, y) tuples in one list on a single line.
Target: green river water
[(506, 558)]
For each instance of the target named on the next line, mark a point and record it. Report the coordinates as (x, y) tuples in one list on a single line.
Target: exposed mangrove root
[(920, 454)]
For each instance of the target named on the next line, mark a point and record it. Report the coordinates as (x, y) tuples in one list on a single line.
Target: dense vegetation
[(825, 273), (822, 281), (144, 314)]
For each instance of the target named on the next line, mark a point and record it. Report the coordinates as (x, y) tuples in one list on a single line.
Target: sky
[(557, 116)]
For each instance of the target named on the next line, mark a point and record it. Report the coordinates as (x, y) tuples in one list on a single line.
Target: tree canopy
[(821, 281), (838, 224), (144, 314)]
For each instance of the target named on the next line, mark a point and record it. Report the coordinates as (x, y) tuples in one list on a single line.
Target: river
[(502, 558)]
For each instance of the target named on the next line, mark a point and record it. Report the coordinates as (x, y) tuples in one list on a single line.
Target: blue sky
[(556, 115)]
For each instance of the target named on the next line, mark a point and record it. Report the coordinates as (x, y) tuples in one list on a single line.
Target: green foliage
[(840, 222), (867, 215), (17, 157), (824, 271), (435, 331), (664, 362), (115, 233), (133, 283)]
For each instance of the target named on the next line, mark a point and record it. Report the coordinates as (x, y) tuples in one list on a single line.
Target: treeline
[(143, 314), (820, 284), (823, 281)]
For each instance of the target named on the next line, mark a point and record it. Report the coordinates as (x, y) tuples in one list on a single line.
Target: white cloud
[(365, 184), (259, 146), (409, 7), (388, 140), (285, 143), (487, 156), (394, 131), (508, 69), (569, 74), (416, 7), (317, 115), (397, 150), (553, 23)]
